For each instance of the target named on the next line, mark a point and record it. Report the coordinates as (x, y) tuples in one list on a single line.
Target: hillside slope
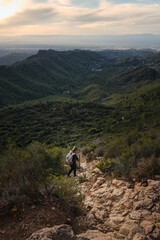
[(13, 58), (46, 73), (68, 122), (74, 73)]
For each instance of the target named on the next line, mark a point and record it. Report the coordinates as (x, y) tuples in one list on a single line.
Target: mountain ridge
[(50, 72)]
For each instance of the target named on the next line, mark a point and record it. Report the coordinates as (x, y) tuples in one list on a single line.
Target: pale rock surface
[(113, 206), (114, 209), (139, 236), (148, 226), (128, 227), (61, 232), (97, 235)]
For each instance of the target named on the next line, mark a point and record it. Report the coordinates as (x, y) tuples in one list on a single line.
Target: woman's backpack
[(69, 158)]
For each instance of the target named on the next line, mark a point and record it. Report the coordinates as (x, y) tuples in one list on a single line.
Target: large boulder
[(61, 232)]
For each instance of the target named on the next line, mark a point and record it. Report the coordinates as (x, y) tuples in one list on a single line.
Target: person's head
[(74, 149)]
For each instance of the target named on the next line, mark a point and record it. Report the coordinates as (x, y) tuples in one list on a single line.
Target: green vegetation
[(67, 192), (82, 178), (23, 171), (44, 74), (57, 123), (36, 172), (63, 123), (83, 75), (135, 156), (13, 57), (108, 101)]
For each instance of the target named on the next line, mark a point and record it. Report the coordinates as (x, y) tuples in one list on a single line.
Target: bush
[(135, 156), (114, 149), (25, 171), (86, 150), (90, 156), (100, 151), (82, 178), (93, 130), (131, 138), (146, 168), (106, 165), (67, 191)]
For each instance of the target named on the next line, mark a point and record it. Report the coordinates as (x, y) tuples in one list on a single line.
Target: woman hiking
[(74, 159)]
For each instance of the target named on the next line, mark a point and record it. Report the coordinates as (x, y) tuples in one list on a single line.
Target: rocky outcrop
[(114, 210), (61, 232), (121, 211)]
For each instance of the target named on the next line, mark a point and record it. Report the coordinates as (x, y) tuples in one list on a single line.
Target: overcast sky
[(79, 17)]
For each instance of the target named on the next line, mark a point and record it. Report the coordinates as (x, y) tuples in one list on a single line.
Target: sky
[(79, 17)]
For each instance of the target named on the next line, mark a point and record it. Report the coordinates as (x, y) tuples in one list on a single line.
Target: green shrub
[(131, 138), (25, 171), (146, 168), (67, 191), (114, 148), (134, 156), (93, 130), (86, 150), (90, 156), (82, 178), (100, 151), (106, 165)]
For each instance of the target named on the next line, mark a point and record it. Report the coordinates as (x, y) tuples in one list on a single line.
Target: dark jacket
[(75, 158)]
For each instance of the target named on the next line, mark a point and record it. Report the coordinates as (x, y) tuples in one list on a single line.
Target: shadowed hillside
[(46, 73), (70, 73)]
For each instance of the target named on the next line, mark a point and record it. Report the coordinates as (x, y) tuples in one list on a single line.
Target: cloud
[(40, 1), (128, 13), (133, 1), (4, 2), (31, 17), (83, 17), (95, 17)]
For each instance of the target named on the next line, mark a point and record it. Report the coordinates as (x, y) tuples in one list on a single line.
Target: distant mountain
[(85, 75), (46, 73), (4, 52), (13, 58)]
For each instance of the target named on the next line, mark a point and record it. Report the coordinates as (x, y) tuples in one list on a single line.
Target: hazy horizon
[(93, 42)]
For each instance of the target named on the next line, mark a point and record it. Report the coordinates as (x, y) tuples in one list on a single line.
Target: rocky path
[(115, 209)]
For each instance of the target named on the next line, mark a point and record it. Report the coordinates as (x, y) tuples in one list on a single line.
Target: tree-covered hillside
[(89, 96), (72, 73), (68, 122), (46, 73), (14, 57)]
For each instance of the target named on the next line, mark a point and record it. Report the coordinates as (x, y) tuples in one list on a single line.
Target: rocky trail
[(114, 209), (117, 209)]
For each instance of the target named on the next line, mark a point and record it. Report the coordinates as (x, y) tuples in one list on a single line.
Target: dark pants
[(73, 168)]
